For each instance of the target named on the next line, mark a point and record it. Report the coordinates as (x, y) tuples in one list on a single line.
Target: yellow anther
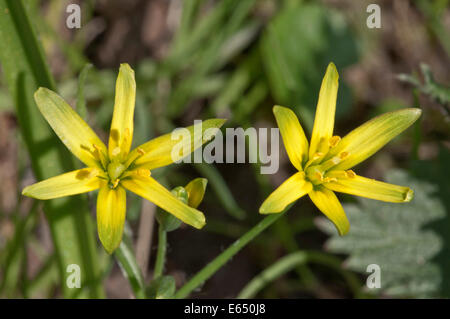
[(115, 151), (350, 173), (140, 151), (333, 141), (116, 182), (343, 155), (317, 156)]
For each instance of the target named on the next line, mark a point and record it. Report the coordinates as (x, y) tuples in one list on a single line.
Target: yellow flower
[(324, 164), (114, 169)]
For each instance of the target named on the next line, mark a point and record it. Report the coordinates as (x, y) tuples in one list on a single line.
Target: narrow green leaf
[(130, 269), (25, 70)]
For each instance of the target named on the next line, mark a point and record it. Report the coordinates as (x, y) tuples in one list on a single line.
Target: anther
[(350, 173), (343, 155), (140, 151), (115, 151), (317, 156), (333, 141)]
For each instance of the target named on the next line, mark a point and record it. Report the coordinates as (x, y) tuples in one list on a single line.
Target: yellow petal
[(294, 138), (121, 133), (367, 139), (111, 209), (326, 108), (151, 190), (327, 202), (370, 188), (79, 138), (292, 189), (158, 152), (72, 183), (196, 190)]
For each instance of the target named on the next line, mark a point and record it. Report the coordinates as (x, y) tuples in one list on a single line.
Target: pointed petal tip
[(332, 71), (409, 195), (199, 224), (125, 66), (344, 230), (265, 210), (417, 111), (278, 108)]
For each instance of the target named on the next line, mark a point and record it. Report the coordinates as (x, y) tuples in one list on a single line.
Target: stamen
[(140, 151), (334, 141), (329, 179), (319, 176), (314, 158), (343, 155), (350, 173), (330, 163), (116, 182), (115, 151), (317, 156), (336, 174)]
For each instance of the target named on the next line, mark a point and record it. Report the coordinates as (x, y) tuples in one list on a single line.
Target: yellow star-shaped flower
[(324, 164), (114, 169)]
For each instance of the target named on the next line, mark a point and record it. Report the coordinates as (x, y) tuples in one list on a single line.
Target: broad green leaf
[(397, 238), (162, 288)]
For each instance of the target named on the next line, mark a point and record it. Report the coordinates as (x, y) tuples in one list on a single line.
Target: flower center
[(115, 170)]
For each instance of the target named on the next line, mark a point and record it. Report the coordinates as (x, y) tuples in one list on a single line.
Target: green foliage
[(396, 237), (25, 70), (162, 288), (295, 60), (430, 87), (437, 171)]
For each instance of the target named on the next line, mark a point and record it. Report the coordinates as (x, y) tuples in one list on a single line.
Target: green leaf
[(25, 69), (162, 288), (130, 269), (437, 91), (436, 171), (396, 237), (295, 61), (81, 100)]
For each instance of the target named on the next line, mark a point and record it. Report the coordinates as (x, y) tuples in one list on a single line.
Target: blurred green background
[(198, 59)]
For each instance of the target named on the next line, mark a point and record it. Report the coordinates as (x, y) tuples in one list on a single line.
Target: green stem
[(161, 255), (282, 266), (130, 269), (225, 256), (288, 263)]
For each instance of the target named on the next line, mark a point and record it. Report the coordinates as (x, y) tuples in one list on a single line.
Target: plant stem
[(289, 262), (161, 255), (271, 273), (130, 269), (225, 256)]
